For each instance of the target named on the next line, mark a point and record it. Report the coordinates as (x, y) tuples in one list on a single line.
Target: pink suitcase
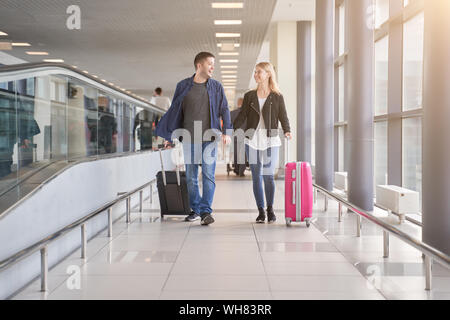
[(298, 193)]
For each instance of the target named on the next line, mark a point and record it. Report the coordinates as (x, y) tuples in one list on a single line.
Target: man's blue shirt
[(218, 104)]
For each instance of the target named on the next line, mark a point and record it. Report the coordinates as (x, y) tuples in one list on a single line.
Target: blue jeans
[(205, 155), (263, 164)]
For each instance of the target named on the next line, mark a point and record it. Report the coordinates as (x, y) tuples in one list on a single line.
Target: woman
[(263, 109)]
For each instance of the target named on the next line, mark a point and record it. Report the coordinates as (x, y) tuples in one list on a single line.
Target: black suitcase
[(173, 192)]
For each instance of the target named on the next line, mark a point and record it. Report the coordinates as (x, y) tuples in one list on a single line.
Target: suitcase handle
[(293, 193), (164, 172), (286, 156)]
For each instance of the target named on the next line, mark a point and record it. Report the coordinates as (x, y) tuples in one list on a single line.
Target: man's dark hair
[(158, 91), (202, 56)]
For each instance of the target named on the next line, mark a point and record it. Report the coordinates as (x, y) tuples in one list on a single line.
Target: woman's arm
[(282, 116), (243, 114)]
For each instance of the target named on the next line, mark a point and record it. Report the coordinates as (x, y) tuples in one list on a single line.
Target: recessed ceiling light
[(228, 53), (21, 44), (229, 77), (75, 67), (229, 71), (229, 67), (85, 72), (227, 35), (3, 33), (236, 45), (37, 53), (229, 61), (95, 76), (227, 5), (53, 60), (227, 22)]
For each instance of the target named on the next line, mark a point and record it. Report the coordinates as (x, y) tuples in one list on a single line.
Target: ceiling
[(140, 44)]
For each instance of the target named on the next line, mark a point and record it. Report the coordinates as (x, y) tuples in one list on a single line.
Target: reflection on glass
[(49, 118), (412, 154), (413, 37), (107, 126), (8, 132), (381, 76), (144, 123), (380, 154)]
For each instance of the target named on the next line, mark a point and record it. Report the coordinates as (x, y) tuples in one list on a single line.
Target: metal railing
[(431, 254), (43, 244)]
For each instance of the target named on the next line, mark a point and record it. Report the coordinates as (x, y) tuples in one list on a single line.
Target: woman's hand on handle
[(288, 135)]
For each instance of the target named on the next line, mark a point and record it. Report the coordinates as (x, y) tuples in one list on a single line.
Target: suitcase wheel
[(288, 221), (308, 223)]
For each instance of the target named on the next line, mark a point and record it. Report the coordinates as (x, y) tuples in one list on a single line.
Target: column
[(304, 91), (324, 93), (436, 126), (360, 43), (283, 55)]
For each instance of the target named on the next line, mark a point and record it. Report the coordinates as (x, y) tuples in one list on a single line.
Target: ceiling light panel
[(227, 22), (37, 53), (227, 35), (229, 61), (228, 67), (21, 44), (3, 33), (227, 5), (228, 53)]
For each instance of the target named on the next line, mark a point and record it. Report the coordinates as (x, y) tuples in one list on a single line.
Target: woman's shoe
[(262, 216), (271, 215)]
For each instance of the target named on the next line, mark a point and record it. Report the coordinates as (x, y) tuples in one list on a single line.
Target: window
[(412, 154), (381, 76), (381, 12), (413, 35), (381, 153)]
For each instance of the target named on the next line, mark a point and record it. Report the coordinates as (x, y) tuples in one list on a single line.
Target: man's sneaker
[(271, 218), (192, 217), (262, 216), (207, 219)]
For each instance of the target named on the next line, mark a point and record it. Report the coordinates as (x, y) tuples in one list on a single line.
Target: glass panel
[(381, 12), (50, 114), (412, 154), (341, 149), (27, 126), (107, 125), (8, 135), (126, 127), (341, 115), (144, 127), (413, 35), (341, 30), (381, 154), (381, 76), (82, 120)]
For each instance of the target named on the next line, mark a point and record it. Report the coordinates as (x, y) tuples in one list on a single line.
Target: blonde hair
[(273, 84)]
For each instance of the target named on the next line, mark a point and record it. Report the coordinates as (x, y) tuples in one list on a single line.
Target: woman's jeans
[(205, 155), (263, 164)]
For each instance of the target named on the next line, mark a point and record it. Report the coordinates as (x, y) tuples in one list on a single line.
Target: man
[(239, 150), (198, 105), (159, 100)]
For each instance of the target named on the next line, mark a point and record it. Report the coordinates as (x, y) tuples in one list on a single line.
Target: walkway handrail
[(43, 244), (430, 253)]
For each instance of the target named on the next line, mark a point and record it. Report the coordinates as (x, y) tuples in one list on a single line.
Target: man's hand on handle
[(288, 135)]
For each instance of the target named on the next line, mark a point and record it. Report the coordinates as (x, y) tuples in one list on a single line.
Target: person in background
[(159, 100), (239, 160)]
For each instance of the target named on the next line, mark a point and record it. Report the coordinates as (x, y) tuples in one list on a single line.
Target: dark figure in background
[(17, 125), (239, 159), (107, 127), (144, 125)]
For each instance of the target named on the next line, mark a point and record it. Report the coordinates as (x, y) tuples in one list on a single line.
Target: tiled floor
[(237, 259)]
